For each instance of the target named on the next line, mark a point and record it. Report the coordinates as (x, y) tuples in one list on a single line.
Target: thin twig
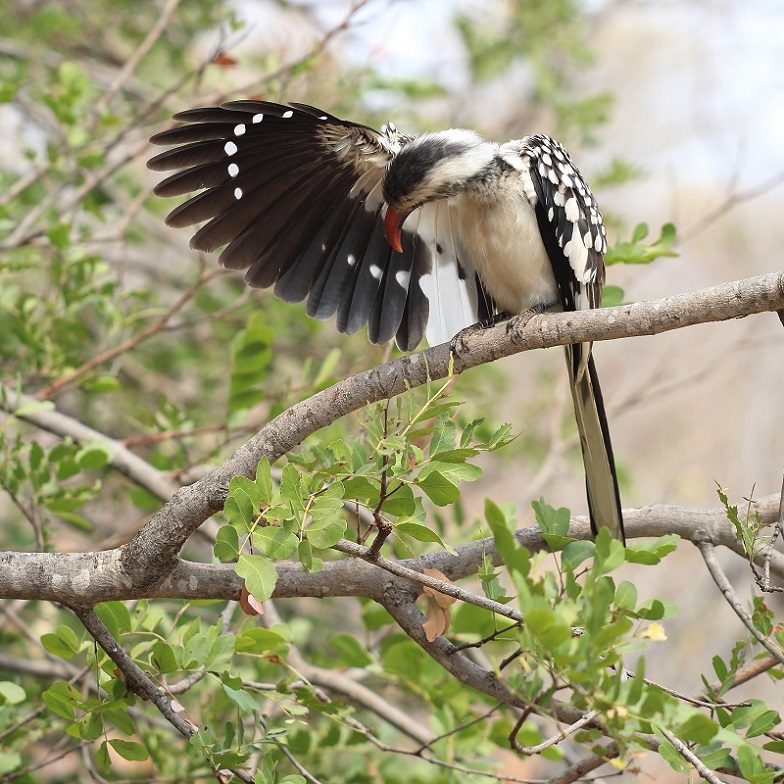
[(137, 680), (138, 470), (339, 682), (584, 766), (767, 551), (442, 586), (744, 674), (724, 585), (151, 329), (561, 735), (130, 64), (690, 757)]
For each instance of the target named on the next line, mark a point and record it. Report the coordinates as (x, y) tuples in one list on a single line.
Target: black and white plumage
[(410, 235)]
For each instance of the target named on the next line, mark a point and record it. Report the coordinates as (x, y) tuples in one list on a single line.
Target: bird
[(409, 236)]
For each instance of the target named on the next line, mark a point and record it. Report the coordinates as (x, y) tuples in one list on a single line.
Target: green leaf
[(9, 761), (626, 595), (305, 555), (698, 728), (255, 640), (63, 699), (550, 520), (401, 502), (264, 482), (637, 252), (612, 296), (129, 750), (291, 489), (550, 630), (763, 723), (244, 700), (350, 651), (438, 488), (575, 552), (115, 616), (30, 407), (749, 760), (94, 455), (247, 496), (162, 657), (456, 471), (422, 534), (323, 534), (327, 367), (259, 574), (609, 554), (227, 544), (328, 506), (251, 354), (444, 436), (221, 651), (103, 760), (11, 693), (515, 556), (361, 488), (756, 716), (65, 643), (275, 542), (649, 553)]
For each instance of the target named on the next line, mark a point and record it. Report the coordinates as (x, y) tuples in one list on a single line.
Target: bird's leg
[(518, 323), (458, 345)]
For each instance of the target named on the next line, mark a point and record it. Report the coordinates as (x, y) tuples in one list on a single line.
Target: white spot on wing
[(375, 271), (239, 130), (238, 193), (230, 148), (577, 254), (287, 115), (257, 118), (233, 170), (572, 210), (402, 278), (351, 259)]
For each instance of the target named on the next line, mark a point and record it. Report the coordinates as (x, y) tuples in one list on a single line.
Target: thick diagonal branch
[(153, 552)]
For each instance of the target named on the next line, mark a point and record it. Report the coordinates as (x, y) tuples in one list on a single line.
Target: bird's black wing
[(294, 195), (569, 219)]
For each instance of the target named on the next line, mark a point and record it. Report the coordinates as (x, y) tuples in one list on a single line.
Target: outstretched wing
[(294, 195)]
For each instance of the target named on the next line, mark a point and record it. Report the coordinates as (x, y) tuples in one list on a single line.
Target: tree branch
[(137, 680), (725, 586), (86, 579), (156, 482), (153, 551)]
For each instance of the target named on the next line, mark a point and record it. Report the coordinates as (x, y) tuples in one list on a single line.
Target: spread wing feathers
[(294, 195)]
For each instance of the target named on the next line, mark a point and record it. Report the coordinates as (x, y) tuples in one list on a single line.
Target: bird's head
[(433, 166)]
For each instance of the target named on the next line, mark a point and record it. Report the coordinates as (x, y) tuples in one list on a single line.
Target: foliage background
[(668, 107)]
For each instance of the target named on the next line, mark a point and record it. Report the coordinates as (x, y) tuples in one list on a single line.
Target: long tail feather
[(604, 501)]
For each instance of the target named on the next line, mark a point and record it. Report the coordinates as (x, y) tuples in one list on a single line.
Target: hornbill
[(412, 235)]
